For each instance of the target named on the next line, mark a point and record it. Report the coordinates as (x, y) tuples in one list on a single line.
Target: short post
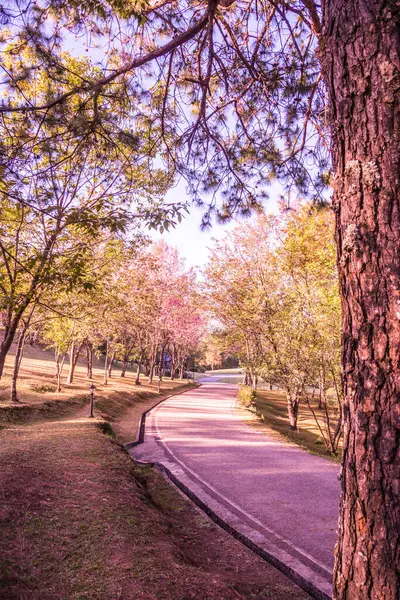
[(193, 376), (92, 387)]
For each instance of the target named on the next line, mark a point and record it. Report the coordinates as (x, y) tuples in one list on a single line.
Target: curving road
[(282, 498)]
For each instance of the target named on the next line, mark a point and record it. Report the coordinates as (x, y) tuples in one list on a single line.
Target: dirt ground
[(81, 521)]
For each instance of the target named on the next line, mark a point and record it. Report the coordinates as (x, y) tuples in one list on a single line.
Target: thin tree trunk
[(60, 358), (161, 364), (17, 364), (18, 355), (151, 371), (89, 358), (152, 363), (124, 365), (70, 378), (293, 408), (137, 379), (361, 67), (9, 335), (146, 367), (181, 370), (73, 359), (12, 321), (160, 368), (106, 363), (173, 371), (110, 364), (322, 387)]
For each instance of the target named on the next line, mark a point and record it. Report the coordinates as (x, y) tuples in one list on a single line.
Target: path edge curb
[(142, 422), (268, 557)]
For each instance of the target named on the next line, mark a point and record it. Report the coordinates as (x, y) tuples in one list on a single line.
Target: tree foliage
[(233, 86), (273, 286)]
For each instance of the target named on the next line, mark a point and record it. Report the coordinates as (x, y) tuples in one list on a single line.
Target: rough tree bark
[(360, 56)]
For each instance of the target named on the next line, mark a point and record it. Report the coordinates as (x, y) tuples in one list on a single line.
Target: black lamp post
[(92, 387)]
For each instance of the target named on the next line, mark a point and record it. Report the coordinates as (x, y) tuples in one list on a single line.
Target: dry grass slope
[(271, 407)]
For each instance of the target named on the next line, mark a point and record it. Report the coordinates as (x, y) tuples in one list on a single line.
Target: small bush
[(106, 428), (43, 389), (246, 395)]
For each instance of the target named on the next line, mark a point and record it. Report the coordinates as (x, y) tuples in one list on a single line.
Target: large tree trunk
[(360, 54)]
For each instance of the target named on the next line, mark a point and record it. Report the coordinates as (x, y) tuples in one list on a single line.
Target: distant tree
[(213, 351), (308, 260), (273, 285)]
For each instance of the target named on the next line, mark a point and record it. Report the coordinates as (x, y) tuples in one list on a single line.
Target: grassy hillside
[(81, 521)]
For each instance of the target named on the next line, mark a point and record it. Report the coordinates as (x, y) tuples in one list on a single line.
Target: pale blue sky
[(193, 243)]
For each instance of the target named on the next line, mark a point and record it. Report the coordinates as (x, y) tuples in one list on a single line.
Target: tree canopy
[(231, 91)]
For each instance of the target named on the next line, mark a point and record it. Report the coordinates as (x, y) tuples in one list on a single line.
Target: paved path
[(278, 495)]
